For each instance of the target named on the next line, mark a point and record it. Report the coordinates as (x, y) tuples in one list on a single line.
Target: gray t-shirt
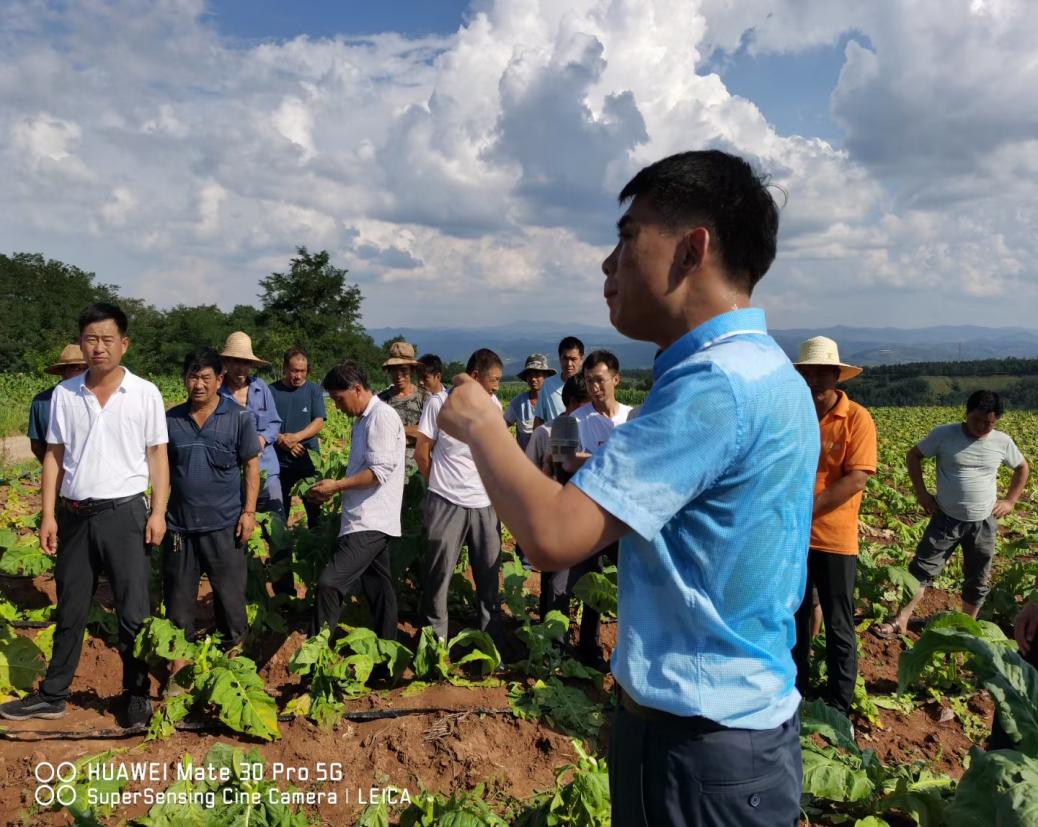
[(967, 469)]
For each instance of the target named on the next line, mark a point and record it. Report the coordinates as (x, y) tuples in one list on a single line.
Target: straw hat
[(239, 346), (822, 351), (70, 355), (400, 353), (536, 363)]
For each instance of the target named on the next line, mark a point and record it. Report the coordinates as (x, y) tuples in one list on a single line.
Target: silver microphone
[(565, 438)]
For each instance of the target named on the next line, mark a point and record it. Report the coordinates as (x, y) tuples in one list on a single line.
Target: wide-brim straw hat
[(820, 350), (401, 353), (536, 363), (71, 356), (239, 346)]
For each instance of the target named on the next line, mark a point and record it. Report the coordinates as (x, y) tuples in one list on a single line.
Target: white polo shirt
[(453, 474), (377, 441), (596, 428), (106, 448)]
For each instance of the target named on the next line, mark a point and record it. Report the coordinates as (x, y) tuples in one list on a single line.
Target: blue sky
[(252, 21), (462, 161)]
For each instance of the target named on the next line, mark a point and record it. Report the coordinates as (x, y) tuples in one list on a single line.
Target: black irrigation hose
[(205, 726)]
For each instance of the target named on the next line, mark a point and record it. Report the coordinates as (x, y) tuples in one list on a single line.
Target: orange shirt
[(848, 444)]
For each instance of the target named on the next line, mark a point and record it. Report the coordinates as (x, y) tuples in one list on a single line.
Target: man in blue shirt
[(708, 490), (71, 363), (300, 404), (212, 446), (549, 403)]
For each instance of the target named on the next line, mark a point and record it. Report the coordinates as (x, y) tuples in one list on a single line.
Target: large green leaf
[(21, 662), (161, 639), (482, 658), (997, 789), (818, 718), (26, 559), (241, 701), (828, 777), (598, 591), (431, 661)]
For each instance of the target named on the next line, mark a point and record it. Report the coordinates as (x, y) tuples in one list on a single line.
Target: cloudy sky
[(462, 159)]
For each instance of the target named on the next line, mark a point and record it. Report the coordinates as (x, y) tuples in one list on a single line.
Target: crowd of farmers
[(729, 499)]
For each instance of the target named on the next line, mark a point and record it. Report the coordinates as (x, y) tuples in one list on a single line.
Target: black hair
[(201, 358), (574, 390), (102, 312), (602, 357), (483, 360), (431, 362), (292, 353), (986, 402), (722, 193), (345, 375), (571, 343)]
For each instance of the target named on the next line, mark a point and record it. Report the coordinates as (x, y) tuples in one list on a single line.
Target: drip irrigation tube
[(360, 716)]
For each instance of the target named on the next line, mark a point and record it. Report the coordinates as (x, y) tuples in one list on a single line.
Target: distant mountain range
[(858, 345)]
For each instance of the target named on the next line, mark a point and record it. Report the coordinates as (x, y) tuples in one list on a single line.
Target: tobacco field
[(293, 731)]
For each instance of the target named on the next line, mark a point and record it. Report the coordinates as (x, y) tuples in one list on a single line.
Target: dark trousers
[(270, 501), (217, 553), (671, 773), (554, 592), (833, 575), (111, 541), (361, 559), (290, 475)]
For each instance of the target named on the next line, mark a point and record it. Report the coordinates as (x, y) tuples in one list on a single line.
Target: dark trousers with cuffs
[(688, 772), (184, 557), (361, 561), (111, 541), (833, 575)]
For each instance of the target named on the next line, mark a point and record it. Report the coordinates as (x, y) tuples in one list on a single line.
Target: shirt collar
[(841, 408), (371, 404), (78, 383), (733, 323)]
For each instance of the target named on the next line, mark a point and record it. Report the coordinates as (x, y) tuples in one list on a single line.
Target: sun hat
[(400, 353), (239, 346), (70, 355), (536, 362), (820, 350)]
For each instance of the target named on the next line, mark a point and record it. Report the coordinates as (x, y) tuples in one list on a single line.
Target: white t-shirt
[(539, 445), (106, 448), (453, 474), (377, 442), (595, 428), (967, 469)]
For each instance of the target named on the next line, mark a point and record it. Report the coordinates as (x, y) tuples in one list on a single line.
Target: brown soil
[(433, 751)]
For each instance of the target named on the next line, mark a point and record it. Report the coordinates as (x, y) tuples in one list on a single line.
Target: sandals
[(886, 631)]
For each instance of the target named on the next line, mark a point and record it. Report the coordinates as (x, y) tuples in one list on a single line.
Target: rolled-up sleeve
[(385, 444)]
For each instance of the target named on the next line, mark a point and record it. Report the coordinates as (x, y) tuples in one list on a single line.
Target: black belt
[(689, 724), (89, 507)]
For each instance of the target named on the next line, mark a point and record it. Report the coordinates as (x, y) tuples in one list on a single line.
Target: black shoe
[(32, 706), (138, 710)]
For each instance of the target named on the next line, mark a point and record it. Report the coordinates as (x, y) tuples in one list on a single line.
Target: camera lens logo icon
[(54, 783)]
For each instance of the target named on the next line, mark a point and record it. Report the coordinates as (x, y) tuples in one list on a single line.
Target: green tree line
[(947, 383), (310, 305)]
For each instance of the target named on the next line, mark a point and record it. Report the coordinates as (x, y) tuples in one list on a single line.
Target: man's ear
[(695, 244)]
